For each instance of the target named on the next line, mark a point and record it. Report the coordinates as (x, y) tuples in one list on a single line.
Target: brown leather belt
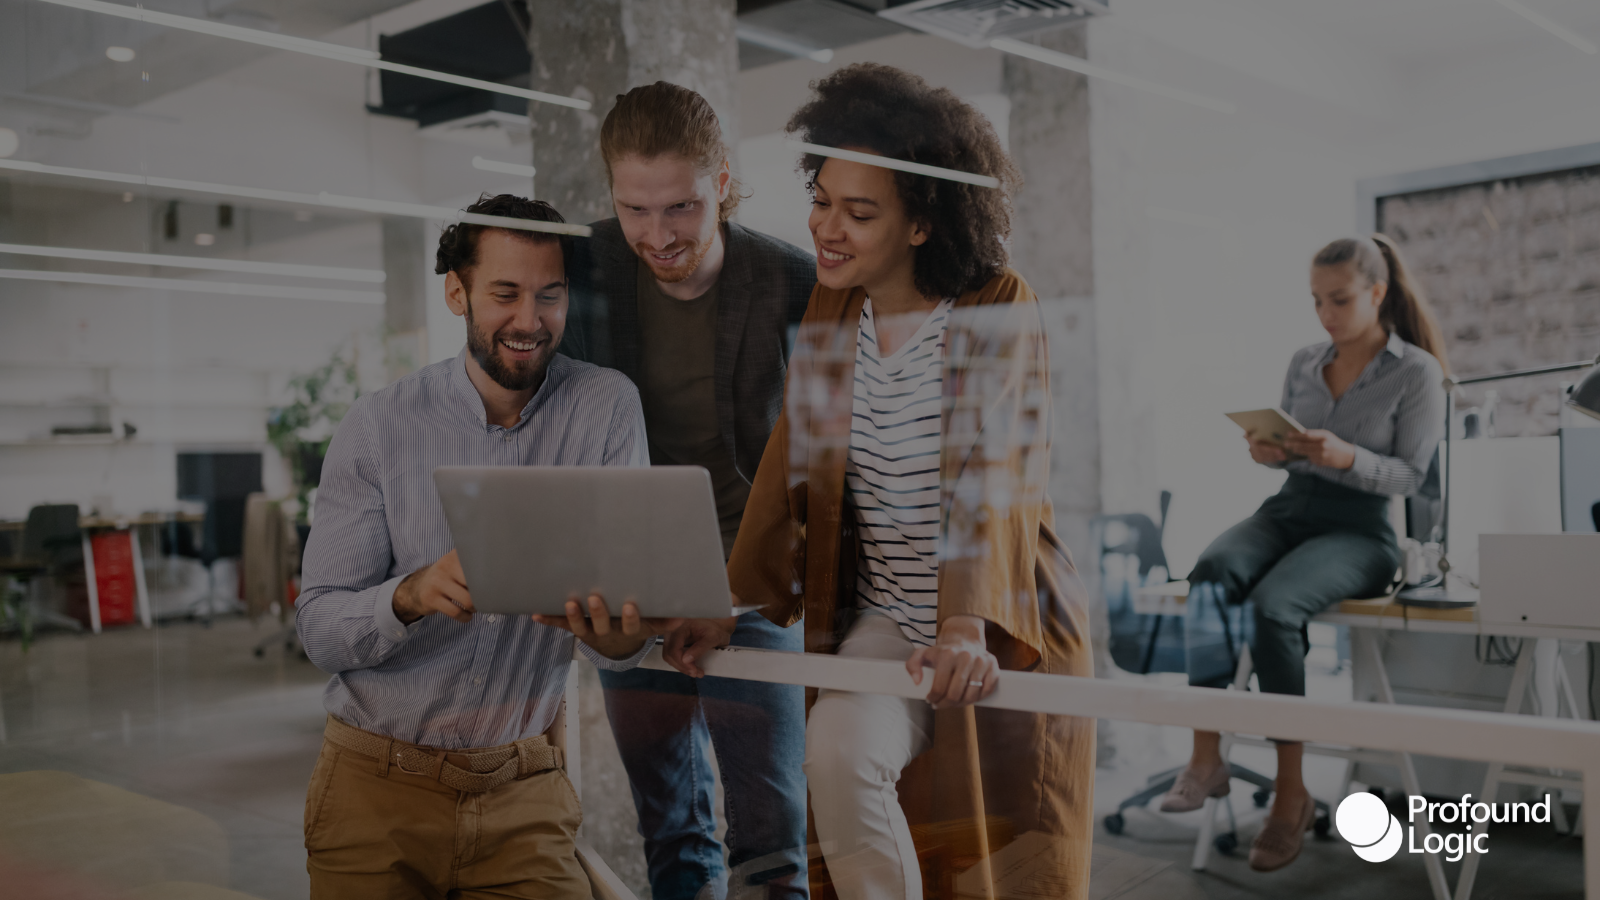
[(473, 771)]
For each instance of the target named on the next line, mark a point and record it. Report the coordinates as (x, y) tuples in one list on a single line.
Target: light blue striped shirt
[(1393, 413), (439, 682)]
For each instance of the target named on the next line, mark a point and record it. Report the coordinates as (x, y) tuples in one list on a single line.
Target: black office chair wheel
[(1114, 823), (1226, 843), (1322, 827), (260, 652), (1261, 797)]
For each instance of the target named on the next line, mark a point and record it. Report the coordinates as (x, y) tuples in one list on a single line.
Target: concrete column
[(578, 51), (407, 266), (1052, 247), (601, 48), (596, 50)]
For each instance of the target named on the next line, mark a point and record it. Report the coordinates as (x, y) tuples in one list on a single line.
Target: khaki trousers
[(399, 836)]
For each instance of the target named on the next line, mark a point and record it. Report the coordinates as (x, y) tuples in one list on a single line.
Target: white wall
[(208, 367)]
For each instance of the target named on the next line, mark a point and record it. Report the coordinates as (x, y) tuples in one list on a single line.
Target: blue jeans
[(667, 724)]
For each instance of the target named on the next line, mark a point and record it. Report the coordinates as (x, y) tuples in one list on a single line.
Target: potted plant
[(302, 429)]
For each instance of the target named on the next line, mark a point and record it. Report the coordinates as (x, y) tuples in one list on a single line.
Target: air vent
[(977, 22)]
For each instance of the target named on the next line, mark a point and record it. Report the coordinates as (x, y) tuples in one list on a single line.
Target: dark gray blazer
[(762, 292)]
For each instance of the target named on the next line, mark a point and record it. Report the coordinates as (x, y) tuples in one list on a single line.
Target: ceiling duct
[(485, 42), (977, 22), (772, 32)]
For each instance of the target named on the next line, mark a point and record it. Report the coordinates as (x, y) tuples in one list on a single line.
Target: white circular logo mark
[(1366, 824)]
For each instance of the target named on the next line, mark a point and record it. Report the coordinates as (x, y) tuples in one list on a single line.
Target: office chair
[(1140, 538), (51, 545), (221, 537)]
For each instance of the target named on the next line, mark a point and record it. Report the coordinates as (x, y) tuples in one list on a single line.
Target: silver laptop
[(1539, 579), (532, 537)]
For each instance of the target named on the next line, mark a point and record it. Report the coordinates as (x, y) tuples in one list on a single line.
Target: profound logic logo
[(1376, 835), (1373, 833)]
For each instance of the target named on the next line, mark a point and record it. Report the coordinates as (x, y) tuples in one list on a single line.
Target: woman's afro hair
[(899, 115)]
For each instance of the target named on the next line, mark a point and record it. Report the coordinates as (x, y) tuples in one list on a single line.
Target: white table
[(1368, 619)]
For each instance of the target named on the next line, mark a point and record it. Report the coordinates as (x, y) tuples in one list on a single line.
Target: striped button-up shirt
[(1393, 413), (439, 682)]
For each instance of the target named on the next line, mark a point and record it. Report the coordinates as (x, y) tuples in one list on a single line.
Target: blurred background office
[(211, 243)]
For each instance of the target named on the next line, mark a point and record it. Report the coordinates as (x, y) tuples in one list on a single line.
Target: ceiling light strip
[(325, 199), (505, 168), (899, 165), (231, 288), (1084, 67), (338, 52), (335, 273), (1550, 25), (777, 42)]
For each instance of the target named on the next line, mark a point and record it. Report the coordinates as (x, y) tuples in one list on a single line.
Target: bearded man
[(442, 770)]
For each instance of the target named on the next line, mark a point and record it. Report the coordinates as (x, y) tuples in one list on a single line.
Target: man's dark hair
[(458, 245), (899, 115)]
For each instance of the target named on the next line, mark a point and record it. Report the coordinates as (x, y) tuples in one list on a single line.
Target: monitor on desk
[(1580, 479)]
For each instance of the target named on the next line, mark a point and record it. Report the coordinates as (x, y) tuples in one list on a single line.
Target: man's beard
[(516, 376), (694, 253)]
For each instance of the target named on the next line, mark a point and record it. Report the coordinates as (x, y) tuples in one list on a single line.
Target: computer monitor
[(218, 476), (1580, 479)]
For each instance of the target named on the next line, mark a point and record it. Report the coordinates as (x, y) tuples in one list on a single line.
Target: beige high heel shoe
[(1190, 790)]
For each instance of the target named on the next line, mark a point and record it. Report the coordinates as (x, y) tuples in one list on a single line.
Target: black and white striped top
[(892, 473), (1393, 414)]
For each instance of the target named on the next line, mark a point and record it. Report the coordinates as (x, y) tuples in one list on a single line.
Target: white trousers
[(856, 747)]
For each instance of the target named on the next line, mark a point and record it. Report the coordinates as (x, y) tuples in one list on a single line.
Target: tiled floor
[(188, 716)]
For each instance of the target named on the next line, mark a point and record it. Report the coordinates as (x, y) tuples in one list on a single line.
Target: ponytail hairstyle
[(1404, 310)]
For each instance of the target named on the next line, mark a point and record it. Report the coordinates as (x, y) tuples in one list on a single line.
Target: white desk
[(1368, 619)]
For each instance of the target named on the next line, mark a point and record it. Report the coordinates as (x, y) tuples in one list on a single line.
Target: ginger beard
[(513, 375), (690, 255)]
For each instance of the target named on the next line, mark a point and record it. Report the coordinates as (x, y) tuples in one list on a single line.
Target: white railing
[(1460, 734)]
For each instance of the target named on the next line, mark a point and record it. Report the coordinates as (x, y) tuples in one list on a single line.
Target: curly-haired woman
[(900, 509)]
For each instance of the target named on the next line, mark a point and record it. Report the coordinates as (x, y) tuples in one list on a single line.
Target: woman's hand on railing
[(964, 671), (694, 639)]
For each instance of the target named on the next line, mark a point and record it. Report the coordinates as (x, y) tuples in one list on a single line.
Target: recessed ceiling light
[(9, 142), (120, 54), (204, 240)]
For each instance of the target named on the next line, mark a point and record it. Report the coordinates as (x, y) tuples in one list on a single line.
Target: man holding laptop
[(439, 772)]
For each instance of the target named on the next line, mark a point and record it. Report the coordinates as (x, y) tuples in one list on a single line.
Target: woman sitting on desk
[(1372, 400)]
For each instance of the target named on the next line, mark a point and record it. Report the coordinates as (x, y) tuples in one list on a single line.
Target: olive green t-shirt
[(677, 385)]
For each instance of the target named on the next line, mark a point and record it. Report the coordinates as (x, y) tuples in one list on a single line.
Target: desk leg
[(1208, 816), (1491, 780), (140, 590), (94, 584), (1591, 826), (1408, 769)]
